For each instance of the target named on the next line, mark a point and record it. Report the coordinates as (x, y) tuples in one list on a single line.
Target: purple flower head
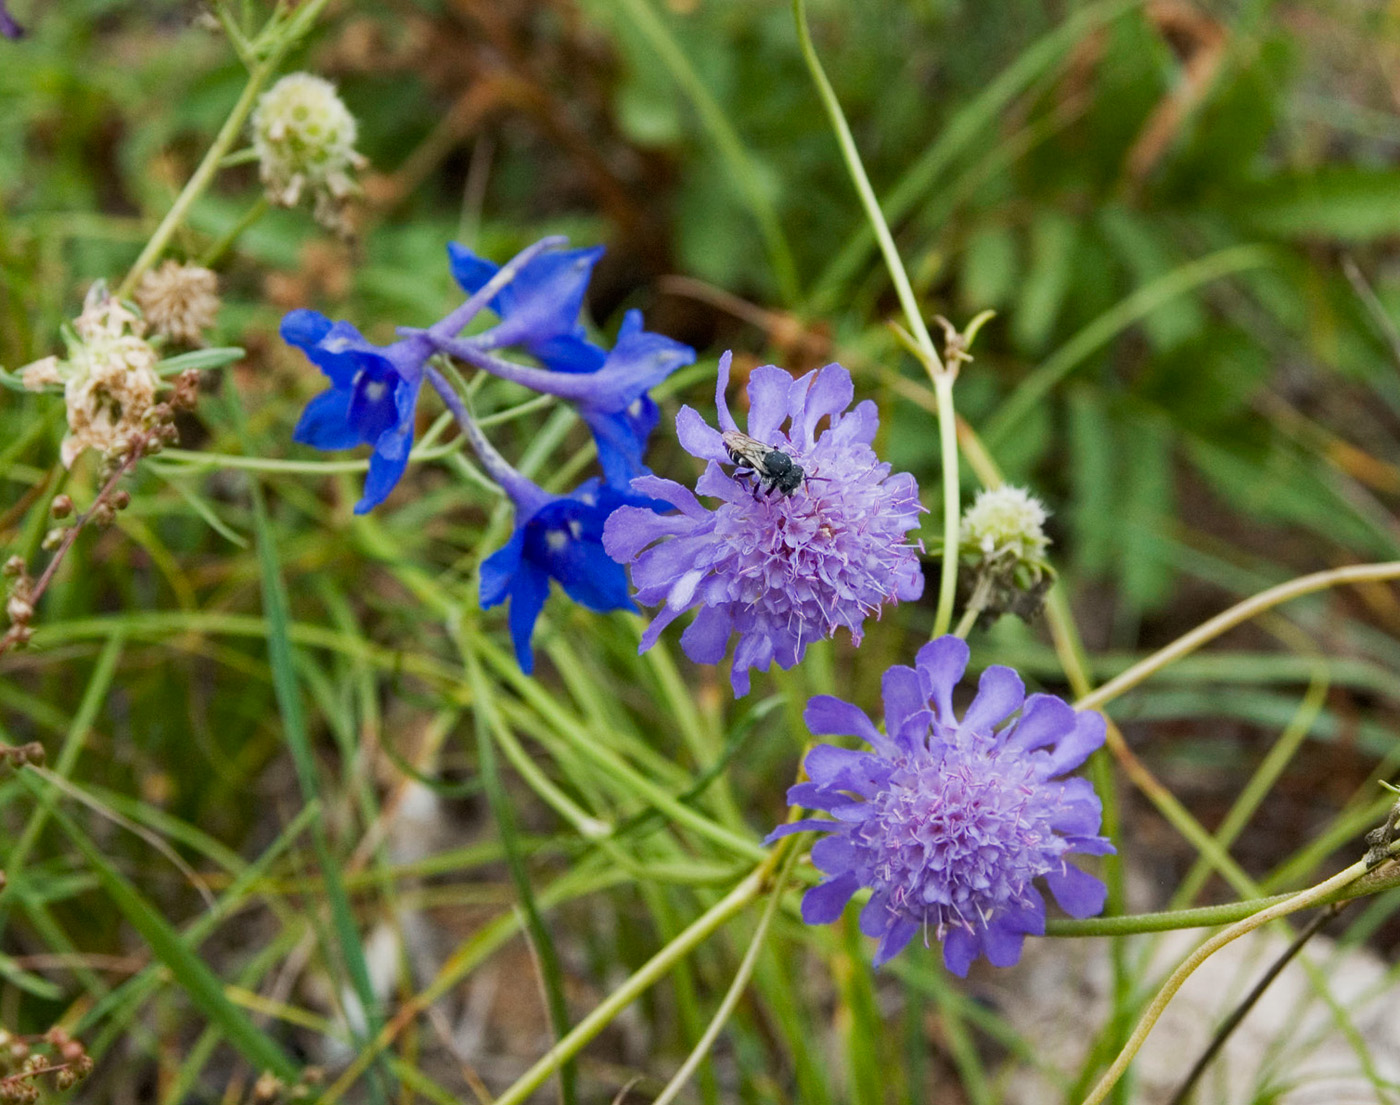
[(539, 309), (8, 27), (371, 400), (780, 570), (556, 537), (948, 821)]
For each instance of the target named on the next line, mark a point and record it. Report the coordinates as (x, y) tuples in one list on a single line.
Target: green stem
[(1294, 902), (1240, 612), (873, 213), (652, 971), (216, 251), (735, 991), (941, 375), (204, 174)]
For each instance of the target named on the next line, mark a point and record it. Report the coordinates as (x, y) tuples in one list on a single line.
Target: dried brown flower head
[(179, 301)]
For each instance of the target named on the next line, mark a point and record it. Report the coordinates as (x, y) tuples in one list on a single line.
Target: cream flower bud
[(41, 374), (304, 137), (1005, 522)]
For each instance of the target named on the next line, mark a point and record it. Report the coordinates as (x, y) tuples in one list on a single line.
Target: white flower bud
[(1006, 522), (304, 137)]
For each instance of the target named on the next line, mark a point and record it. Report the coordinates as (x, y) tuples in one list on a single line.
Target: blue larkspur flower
[(371, 400), (558, 537), (949, 822), (8, 27), (612, 397), (781, 571), (539, 309)]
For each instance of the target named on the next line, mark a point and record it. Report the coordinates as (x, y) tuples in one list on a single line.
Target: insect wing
[(746, 451)]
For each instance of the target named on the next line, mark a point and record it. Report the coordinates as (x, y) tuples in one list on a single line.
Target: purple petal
[(877, 917), (707, 637), (1078, 894), (679, 496), (1002, 945), (960, 949), (835, 853), (806, 825), (828, 392), (768, 401), (664, 617), (1044, 720), (895, 940), (1090, 728), (726, 420), (828, 716), (826, 902), (845, 769), (903, 695), (629, 530), (698, 438), (1000, 693), (941, 664)]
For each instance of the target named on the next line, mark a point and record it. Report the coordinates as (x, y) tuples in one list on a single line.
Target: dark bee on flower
[(776, 471)]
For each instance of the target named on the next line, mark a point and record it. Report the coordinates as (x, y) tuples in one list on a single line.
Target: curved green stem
[(941, 375), (1240, 612), (203, 175), (734, 993), (1292, 904), (653, 970)]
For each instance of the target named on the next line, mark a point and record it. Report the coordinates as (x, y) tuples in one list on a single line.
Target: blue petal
[(498, 570), (304, 328), (527, 595), (470, 271), (386, 468), (538, 307), (325, 423), (374, 406), (621, 437)]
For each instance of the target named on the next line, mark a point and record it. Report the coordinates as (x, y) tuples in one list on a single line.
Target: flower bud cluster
[(1002, 540), (66, 1062), (304, 137), (109, 383), (19, 604)]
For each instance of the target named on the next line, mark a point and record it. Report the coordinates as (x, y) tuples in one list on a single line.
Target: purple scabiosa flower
[(371, 400), (949, 822), (779, 570), (8, 27), (557, 537)]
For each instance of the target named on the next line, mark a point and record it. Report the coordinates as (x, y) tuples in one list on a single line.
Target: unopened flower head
[(950, 821), (179, 302), (1002, 541), (780, 570), (109, 378), (304, 137), (1006, 522)]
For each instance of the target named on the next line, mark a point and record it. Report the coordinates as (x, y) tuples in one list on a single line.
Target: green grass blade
[(189, 971)]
